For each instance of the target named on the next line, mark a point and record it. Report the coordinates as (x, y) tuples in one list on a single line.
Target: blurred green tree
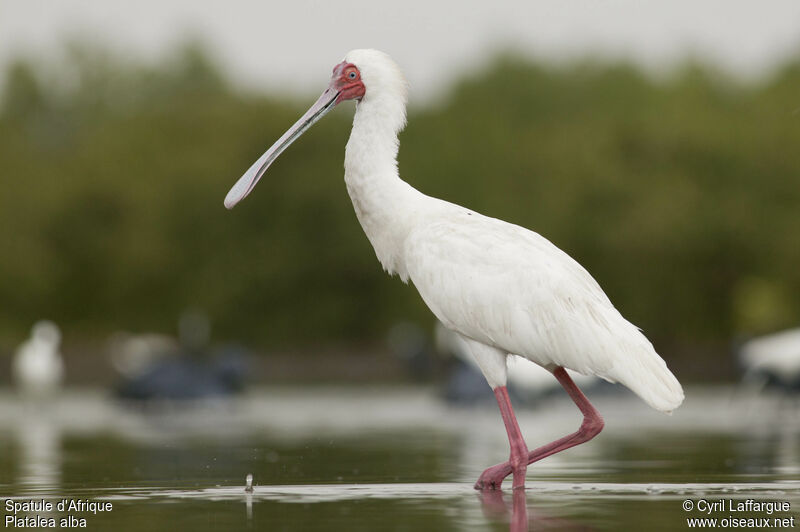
[(682, 197)]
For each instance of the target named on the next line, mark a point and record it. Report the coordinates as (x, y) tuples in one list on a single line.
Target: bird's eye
[(352, 74)]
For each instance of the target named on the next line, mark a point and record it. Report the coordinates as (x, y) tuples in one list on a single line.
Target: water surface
[(394, 459)]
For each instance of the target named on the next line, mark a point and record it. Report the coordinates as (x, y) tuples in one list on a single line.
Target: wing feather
[(511, 288)]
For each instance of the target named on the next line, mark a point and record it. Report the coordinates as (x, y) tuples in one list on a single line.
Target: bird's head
[(46, 331), (380, 76), (364, 76)]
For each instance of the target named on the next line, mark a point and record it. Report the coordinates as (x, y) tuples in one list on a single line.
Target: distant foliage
[(681, 197)]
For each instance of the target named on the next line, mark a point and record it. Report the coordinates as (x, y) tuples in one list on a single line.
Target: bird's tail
[(619, 352), (646, 374)]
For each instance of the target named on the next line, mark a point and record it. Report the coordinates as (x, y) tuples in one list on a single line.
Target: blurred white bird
[(133, 354), (773, 359), (504, 289), (38, 367)]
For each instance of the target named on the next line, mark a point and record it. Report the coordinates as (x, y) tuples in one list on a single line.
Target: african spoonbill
[(504, 289)]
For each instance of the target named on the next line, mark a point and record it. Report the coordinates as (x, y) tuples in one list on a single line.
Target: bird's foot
[(492, 478)]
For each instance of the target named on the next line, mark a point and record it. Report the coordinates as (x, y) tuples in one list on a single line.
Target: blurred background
[(656, 143)]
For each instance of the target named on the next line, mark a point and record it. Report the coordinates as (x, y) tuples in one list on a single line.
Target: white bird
[(37, 366), (132, 355), (774, 357), (526, 378), (504, 289)]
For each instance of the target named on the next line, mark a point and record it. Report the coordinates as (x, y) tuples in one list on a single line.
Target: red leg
[(592, 424), (518, 461)]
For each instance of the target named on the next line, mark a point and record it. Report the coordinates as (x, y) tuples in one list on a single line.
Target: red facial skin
[(347, 80)]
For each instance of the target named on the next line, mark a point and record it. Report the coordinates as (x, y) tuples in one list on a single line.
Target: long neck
[(384, 204)]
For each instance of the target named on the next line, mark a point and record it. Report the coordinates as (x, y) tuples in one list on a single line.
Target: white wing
[(510, 288)]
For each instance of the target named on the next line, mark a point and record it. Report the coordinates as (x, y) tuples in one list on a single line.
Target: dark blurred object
[(185, 377), (411, 345), (772, 361), (466, 385), (156, 367)]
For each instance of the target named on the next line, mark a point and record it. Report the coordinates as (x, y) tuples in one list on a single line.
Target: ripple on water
[(450, 490)]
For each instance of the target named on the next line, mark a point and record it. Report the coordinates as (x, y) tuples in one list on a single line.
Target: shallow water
[(394, 459)]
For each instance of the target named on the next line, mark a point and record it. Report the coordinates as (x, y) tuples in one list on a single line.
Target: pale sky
[(292, 44)]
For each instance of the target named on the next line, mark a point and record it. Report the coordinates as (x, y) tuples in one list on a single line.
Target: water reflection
[(495, 506), (39, 457), (456, 506), (39, 443), (519, 514), (249, 505), (331, 459)]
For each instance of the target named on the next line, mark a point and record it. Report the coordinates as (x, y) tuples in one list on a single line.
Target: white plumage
[(776, 354), (502, 288), (529, 379), (37, 366), (510, 289), (495, 283)]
